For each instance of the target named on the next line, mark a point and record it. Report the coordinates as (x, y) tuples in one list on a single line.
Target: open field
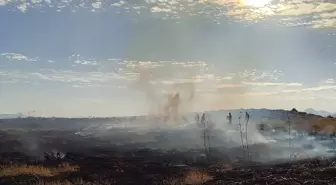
[(137, 151)]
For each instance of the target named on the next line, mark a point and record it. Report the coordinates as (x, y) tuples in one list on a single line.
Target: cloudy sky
[(101, 58)]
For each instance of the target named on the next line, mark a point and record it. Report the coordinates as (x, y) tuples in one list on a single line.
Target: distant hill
[(320, 112), (10, 116), (299, 120)]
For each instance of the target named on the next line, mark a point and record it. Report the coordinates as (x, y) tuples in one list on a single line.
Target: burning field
[(196, 149)]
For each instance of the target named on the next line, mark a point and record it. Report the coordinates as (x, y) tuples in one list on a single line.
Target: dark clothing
[(230, 118)]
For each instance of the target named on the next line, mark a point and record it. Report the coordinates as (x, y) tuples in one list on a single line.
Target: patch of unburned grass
[(197, 177), (191, 177), (39, 170)]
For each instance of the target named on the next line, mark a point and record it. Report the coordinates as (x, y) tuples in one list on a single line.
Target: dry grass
[(308, 122), (192, 177), (326, 125), (197, 177), (39, 170)]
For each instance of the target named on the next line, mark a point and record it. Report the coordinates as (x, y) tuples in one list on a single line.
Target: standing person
[(230, 118)]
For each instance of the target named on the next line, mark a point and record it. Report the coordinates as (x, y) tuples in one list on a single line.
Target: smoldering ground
[(126, 135)]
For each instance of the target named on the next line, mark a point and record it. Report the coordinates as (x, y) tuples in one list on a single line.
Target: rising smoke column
[(165, 100), (171, 109)]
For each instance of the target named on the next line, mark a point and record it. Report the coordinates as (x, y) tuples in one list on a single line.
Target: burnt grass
[(101, 161), (149, 167)]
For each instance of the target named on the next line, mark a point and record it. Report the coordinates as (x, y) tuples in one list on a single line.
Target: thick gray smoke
[(264, 146), (166, 94)]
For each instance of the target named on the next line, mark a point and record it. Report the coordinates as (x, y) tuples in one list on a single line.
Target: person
[(229, 118)]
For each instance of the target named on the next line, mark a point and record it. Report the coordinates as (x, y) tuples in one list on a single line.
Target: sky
[(75, 58)]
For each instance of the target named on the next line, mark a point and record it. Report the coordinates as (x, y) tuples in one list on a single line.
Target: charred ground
[(69, 151)]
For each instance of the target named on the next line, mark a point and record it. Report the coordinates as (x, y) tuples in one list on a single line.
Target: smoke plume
[(167, 93)]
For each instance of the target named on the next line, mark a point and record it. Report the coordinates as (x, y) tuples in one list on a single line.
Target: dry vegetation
[(38, 170), (325, 125), (191, 177), (197, 177), (309, 122)]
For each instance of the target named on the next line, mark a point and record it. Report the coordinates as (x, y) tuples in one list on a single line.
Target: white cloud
[(314, 13), (23, 7), (4, 2), (19, 57), (86, 62), (77, 59), (255, 74), (120, 3), (272, 84), (255, 87), (229, 86), (324, 23), (156, 9), (330, 81), (97, 4), (289, 13), (13, 74), (252, 82), (84, 79), (300, 91), (36, 1), (41, 76), (319, 88)]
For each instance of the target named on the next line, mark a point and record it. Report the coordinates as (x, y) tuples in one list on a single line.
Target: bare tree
[(247, 119), (292, 154), (205, 124), (241, 134), (243, 129)]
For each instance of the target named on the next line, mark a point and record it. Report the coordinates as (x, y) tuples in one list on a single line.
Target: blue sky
[(89, 58)]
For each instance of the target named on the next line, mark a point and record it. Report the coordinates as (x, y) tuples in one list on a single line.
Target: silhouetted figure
[(247, 117), (229, 117)]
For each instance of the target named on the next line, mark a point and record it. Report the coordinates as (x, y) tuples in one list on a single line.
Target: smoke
[(166, 91), (268, 146), (138, 133)]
